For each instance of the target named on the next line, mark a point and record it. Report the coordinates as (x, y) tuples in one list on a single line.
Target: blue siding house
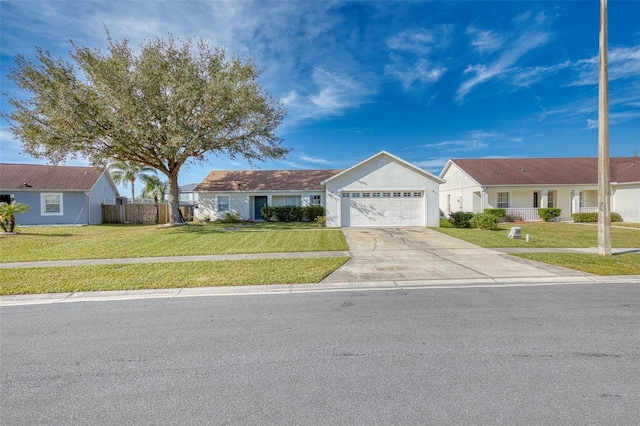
[(58, 195)]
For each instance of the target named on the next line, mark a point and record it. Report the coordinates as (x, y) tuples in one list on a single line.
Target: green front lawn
[(559, 235), (166, 275), (122, 241), (621, 264), (543, 234)]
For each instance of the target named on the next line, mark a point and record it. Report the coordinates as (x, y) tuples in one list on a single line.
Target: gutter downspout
[(88, 208)]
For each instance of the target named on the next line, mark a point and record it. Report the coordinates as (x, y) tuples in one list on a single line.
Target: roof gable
[(34, 177), (545, 171), (399, 160), (264, 180)]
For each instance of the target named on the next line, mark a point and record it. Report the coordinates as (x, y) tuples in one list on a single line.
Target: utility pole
[(604, 171)]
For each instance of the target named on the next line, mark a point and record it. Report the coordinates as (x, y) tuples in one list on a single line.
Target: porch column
[(575, 201), (484, 199), (544, 202), (269, 200)]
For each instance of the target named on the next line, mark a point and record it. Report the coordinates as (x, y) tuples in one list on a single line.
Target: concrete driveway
[(406, 254)]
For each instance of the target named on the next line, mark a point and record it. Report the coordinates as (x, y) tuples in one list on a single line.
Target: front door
[(258, 202)]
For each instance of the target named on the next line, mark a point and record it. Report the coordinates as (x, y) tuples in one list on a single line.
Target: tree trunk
[(174, 201)]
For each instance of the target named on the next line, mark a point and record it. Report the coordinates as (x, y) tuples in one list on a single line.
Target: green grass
[(123, 241), (166, 275), (543, 234), (622, 264)]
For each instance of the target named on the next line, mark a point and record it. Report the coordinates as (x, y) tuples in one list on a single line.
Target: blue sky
[(426, 81)]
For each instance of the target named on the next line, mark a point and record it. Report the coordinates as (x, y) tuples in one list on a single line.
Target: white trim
[(43, 211)]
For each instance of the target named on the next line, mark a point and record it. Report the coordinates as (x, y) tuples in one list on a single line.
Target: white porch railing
[(523, 214), (588, 210)]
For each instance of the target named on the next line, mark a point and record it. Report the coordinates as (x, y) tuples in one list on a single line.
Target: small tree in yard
[(7, 215), (125, 172), (169, 105)]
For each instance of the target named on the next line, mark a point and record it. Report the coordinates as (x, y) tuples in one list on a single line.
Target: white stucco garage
[(383, 190)]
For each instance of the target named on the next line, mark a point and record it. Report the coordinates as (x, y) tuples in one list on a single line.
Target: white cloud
[(623, 63), (485, 41), (412, 55), (315, 160), (525, 35)]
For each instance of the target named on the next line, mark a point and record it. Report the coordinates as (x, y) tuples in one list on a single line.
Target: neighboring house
[(58, 195), (522, 185), (382, 190), (188, 196)]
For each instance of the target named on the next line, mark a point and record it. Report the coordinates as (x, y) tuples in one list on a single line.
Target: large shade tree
[(168, 104)]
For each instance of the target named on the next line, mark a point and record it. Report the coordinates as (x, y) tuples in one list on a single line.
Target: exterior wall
[(385, 175), (101, 193), (457, 193), (626, 202), (242, 203), (75, 207)]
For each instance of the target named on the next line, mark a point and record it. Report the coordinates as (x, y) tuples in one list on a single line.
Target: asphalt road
[(566, 354)]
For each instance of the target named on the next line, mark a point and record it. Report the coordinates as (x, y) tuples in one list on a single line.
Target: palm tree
[(7, 215), (154, 188), (123, 172)]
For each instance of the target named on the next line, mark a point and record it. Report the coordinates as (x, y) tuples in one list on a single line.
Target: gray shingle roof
[(265, 180), (49, 178)]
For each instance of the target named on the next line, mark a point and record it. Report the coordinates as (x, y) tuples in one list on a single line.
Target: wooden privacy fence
[(141, 213)]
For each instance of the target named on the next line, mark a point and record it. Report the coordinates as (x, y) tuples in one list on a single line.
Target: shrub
[(486, 221), (230, 218), (291, 213), (311, 213), (322, 221), (549, 214), (499, 213), (584, 217), (461, 219), (593, 217)]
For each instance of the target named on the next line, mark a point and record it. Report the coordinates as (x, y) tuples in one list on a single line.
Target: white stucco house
[(522, 185), (383, 190)]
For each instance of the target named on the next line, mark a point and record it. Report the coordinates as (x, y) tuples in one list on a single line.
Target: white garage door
[(394, 208)]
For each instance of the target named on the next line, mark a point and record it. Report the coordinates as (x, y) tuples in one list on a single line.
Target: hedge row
[(291, 213), (593, 217)]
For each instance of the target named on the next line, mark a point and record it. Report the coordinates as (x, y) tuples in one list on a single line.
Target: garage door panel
[(400, 211)]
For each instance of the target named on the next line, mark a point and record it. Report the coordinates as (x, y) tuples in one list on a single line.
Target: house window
[(535, 200), (315, 200), (223, 203), (51, 204), (291, 201), (550, 200), (5, 198), (345, 194), (503, 200)]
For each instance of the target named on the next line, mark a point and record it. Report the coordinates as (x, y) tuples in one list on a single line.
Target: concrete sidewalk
[(168, 259)]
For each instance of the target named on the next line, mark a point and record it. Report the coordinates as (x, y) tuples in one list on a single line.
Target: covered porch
[(523, 204)]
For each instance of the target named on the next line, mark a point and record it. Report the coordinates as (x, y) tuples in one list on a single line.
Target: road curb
[(253, 290)]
